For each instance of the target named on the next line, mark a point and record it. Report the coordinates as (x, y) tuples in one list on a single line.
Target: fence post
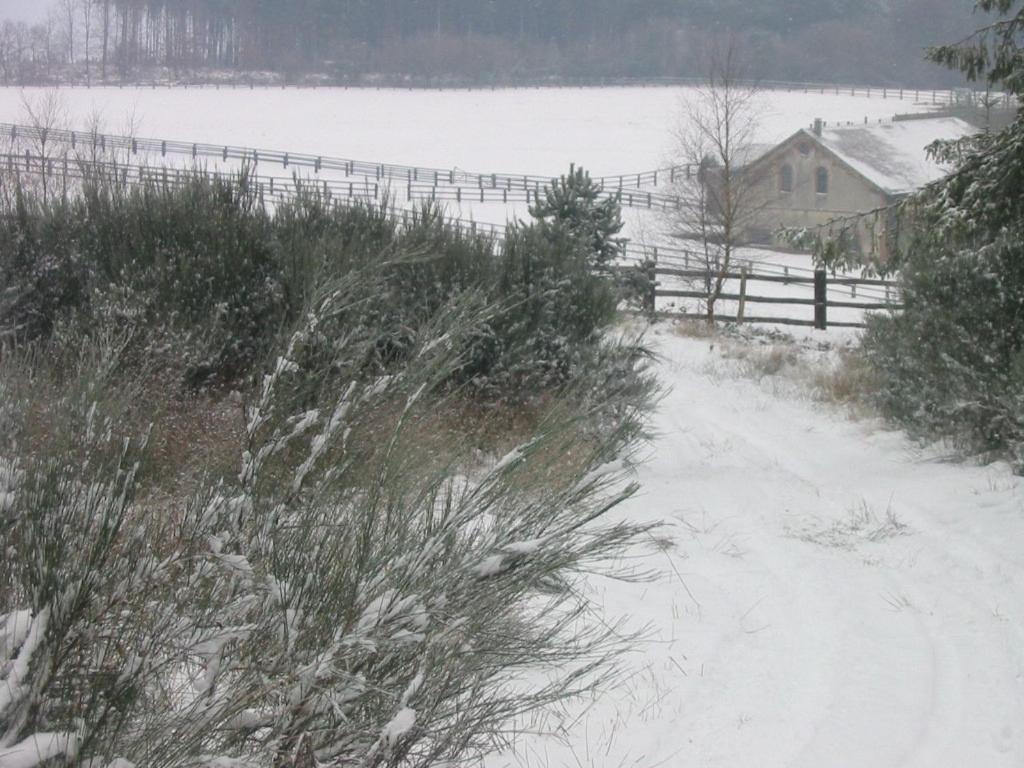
[(820, 299), (743, 295)]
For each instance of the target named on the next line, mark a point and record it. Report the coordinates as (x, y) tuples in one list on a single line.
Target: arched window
[(821, 181), (786, 178)]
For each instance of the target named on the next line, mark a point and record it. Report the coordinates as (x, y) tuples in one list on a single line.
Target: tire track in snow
[(813, 644)]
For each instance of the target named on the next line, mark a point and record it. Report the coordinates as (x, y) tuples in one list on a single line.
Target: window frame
[(822, 180), (786, 179)]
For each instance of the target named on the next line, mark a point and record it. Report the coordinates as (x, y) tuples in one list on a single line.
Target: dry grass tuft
[(758, 362), (850, 381), (696, 328)]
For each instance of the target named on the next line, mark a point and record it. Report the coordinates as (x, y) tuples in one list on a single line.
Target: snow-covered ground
[(537, 131), (608, 131), (829, 594)]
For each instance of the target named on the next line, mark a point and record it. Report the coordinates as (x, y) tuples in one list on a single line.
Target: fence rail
[(356, 186), (937, 96), (380, 172), (821, 300)]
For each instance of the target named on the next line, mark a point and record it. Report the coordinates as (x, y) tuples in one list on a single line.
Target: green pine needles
[(951, 364), (575, 203)]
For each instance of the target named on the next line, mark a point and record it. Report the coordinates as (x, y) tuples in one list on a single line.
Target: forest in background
[(856, 41)]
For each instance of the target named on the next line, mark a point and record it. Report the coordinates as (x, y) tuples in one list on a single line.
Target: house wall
[(770, 208)]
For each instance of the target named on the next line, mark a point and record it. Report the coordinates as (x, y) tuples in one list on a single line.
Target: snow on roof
[(892, 155)]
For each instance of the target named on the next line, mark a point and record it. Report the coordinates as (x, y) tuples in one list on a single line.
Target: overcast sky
[(23, 10)]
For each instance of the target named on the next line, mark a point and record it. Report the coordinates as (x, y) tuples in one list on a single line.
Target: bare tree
[(716, 135), (106, 38), (44, 113), (68, 15), (86, 8)]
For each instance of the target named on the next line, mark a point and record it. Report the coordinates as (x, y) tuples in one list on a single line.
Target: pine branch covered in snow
[(949, 365)]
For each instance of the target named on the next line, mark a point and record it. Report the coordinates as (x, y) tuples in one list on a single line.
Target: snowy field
[(828, 594), (537, 131), (609, 131)]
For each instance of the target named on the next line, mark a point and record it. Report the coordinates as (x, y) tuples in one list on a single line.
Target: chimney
[(818, 125)]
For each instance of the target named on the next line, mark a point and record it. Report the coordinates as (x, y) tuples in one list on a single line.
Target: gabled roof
[(892, 155)]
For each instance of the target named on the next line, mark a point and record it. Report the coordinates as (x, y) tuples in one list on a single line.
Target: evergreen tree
[(580, 207), (951, 363)]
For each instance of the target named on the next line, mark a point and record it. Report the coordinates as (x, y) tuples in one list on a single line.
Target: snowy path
[(796, 624)]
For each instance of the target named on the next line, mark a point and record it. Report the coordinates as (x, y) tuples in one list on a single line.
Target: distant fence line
[(938, 96), (363, 185), (286, 159)]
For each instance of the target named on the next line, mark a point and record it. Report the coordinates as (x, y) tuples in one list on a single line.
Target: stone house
[(825, 173)]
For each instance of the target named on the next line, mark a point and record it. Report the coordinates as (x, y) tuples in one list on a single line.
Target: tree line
[(853, 40)]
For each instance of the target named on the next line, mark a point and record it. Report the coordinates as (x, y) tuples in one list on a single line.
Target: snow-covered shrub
[(207, 275), (344, 600), (951, 364)]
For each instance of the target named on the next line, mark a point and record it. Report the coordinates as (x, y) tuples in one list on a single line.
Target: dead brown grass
[(758, 361), (192, 436), (694, 329), (851, 381)]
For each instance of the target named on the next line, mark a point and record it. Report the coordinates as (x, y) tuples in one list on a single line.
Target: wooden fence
[(937, 96), (365, 187), (101, 142), (821, 287)]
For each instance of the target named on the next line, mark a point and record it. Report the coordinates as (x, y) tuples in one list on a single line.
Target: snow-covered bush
[(344, 600), (207, 273), (950, 364)]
